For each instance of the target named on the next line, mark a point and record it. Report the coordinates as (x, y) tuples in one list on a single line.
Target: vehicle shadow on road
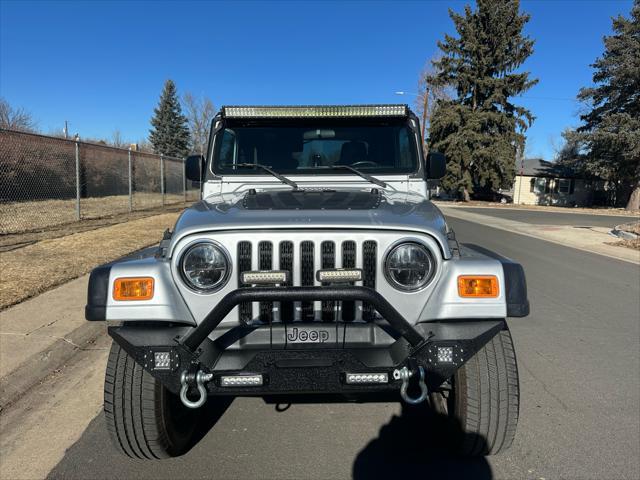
[(418, 444)]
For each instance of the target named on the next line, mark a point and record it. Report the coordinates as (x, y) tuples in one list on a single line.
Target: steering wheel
[(364, 163)]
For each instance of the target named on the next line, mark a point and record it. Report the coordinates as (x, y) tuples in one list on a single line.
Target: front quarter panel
[(445, 303), (167, 305)]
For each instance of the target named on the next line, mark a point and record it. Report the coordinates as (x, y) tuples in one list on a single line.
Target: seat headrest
[(352, 152)]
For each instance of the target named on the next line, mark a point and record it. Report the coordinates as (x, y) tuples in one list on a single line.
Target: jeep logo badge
[(298, 335)]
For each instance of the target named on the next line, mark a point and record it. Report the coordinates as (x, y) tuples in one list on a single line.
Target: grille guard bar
[(297, 294)]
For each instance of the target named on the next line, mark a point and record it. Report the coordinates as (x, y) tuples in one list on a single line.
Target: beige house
[(539, 182)]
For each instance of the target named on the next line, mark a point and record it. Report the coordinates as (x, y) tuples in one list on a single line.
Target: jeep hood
[(362, 209)]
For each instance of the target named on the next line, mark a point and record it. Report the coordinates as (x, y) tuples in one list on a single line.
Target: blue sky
[(101, 65)]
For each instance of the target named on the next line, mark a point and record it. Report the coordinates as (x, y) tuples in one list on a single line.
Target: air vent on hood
[(313, 200)]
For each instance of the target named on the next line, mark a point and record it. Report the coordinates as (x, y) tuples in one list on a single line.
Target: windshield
[(375, 149)]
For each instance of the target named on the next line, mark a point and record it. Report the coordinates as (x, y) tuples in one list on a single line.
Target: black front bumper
[(306, 358)]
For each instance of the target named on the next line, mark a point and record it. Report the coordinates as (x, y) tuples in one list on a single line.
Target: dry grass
[(31, 270), (633, 244), (631, 227), (17, 217), (20, 240)]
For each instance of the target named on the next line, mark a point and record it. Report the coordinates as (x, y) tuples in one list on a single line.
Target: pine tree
[(611, 129), (481, 130), (170, 134)]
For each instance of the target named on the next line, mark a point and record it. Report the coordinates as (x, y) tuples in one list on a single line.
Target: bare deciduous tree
[(144, 146), (117, 140), (15, 118), (199, 112), (435, 92)]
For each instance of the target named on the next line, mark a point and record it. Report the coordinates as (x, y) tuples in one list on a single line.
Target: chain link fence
[(48, 181)]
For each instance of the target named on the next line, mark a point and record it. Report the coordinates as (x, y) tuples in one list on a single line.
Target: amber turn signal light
[(478, 286), (133, 288)]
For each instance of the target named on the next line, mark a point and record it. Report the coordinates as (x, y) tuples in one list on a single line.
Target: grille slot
[(349, 261), (369, 255), (265, 262), (328, 250), (306, 276), (301, 260), (286, 263), (244, 265)]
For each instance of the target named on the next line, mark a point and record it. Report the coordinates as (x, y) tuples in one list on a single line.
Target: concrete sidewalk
[(40, 335), (591, 239)]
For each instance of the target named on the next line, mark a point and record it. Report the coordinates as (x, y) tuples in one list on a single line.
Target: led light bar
[(339, 275), (265, 277), (241, 381), (445, 354), (162, 360), (358, 378), (319, 111)]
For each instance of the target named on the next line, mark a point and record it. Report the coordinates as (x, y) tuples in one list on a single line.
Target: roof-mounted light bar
[(317, 111)]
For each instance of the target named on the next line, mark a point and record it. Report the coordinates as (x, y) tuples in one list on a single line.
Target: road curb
[(44, 363), (532, 208), (516, 228)]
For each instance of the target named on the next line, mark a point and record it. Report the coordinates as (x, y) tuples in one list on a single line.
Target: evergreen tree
[(611, 129), (170, 133), (481, 131)]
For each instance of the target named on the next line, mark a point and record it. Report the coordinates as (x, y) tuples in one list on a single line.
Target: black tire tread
[(487, 398), (133, 408)]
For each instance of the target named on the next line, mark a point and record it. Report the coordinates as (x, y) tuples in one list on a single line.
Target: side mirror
[(436, 165), (194, 168)]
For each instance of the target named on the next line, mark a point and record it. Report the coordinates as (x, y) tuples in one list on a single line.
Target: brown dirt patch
[(31, 270)]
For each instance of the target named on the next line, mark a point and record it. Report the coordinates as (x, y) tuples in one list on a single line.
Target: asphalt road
[(579, 359), (544, 217)]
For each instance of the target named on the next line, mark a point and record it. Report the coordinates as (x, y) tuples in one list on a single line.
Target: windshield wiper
[(366, 176), (282, 178)]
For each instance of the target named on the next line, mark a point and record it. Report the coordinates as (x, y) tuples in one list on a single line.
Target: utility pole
[(425, 108)]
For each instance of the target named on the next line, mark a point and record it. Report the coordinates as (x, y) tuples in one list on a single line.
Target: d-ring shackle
[(405, 374), (201, 379)]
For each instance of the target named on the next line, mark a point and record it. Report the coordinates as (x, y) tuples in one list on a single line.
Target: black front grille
[(244, 265), (369, 256), (328, 250), (265, 262), (306, 276), (349, 261), (286, 263), (306, 268)]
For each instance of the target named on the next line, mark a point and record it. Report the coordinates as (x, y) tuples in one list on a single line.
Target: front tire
[(484, 400), (144, 419)]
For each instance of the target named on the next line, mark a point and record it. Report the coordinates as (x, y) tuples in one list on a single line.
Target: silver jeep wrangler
[(314, 269)]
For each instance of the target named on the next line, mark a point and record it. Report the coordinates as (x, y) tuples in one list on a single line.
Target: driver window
[(404, 148), (228, 147)]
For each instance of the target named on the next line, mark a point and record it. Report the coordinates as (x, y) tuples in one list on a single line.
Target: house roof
[(537, 167)]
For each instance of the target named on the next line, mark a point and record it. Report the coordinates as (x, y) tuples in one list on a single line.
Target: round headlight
[(205, 266), (409, 266)]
